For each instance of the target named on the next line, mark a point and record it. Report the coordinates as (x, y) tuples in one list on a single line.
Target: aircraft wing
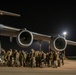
[(41, 37), (26, 37), (11, 31), (71, 42), (9, 13), (8, 31)]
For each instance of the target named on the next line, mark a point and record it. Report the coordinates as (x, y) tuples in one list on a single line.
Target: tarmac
[(69, 68)]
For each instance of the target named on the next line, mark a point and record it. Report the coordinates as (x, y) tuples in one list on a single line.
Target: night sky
[(50, 18)]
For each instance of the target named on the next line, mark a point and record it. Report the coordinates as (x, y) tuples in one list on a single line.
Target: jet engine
[(58, 43), (25, 38)]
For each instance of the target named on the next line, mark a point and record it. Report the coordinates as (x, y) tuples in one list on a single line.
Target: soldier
[(16, 58), (42, 60), (32, 55), (54, 61), (24, 57), (11, 55), (58, 59), (50, 59), (36, 57), (3, 53), (20, 58), (8, 58), (39, 59), (47, 59), (61, 56), (28, 59)]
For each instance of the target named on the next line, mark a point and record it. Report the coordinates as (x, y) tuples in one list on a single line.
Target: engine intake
[(58, 44), (25, 38)]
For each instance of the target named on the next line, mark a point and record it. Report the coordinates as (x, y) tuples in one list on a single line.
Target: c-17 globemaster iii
[(25, 37)]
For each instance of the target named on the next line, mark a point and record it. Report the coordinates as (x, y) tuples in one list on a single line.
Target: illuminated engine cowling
[(58, 44), (25, 38)]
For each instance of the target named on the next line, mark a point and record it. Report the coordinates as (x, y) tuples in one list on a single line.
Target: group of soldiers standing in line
[(33, 58)]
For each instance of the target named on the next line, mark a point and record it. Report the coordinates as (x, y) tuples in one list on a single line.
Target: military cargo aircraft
[(25, 37)]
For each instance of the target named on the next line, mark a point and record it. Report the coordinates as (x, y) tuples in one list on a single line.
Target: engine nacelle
[(58, 44), (25, 38)]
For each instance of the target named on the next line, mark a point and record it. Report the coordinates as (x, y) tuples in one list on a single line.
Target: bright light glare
[(64, 33)]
